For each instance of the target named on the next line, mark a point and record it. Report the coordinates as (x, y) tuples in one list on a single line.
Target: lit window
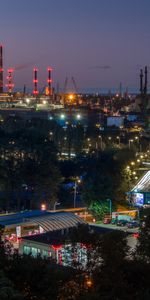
[(35, 251), (26, 250), (45, 253)]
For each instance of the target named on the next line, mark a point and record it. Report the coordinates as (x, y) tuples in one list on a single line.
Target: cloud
[(105, 67), (23, 66)]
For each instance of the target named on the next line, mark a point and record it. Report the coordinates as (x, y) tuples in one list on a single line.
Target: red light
[(1, 70), (56, 247), (35, 80), (49, 80), (49, 69), (10, 70), (35, 69), (136, 235), (35, 92)]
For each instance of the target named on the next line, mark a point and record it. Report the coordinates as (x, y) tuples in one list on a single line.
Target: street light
[(118, 138), (130, 141), (55, 204), (110, 207), (75, 192), (101, 142)]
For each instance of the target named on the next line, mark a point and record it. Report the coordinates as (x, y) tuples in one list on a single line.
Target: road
[(131, 239), (114, 227)]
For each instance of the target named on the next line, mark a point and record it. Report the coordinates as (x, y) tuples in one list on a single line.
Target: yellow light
[(71, 96), (132, 163), (89, 283), (43, 206)]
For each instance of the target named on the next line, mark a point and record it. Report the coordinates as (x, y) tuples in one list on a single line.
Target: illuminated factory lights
[(9, 85)]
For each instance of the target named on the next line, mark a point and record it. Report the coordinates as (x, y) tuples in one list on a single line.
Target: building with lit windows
[(140, 194), (55, 246)]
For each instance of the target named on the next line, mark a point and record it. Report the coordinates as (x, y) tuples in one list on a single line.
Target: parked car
[(133, 224), (122, 223), (106, 221)]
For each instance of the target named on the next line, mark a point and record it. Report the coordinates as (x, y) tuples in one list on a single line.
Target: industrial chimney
[(145, 85), (10, 84), (1, 69), (35, 81), (141, 81), (49, 81)]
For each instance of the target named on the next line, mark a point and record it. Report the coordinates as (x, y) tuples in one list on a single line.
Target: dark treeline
[(32, 170)]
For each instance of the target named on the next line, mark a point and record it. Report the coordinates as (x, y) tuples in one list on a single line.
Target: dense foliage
[(29, 172)]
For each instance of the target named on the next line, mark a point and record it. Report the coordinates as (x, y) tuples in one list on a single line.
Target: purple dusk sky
[(98, 42)]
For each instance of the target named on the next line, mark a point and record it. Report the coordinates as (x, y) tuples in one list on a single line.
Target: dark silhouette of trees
[(29, 170)]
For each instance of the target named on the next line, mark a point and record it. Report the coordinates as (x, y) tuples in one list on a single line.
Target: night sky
[(98, 42)]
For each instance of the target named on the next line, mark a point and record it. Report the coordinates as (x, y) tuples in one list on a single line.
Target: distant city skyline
[(100, 43)]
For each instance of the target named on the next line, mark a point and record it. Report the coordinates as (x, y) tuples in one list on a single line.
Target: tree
[(105, 178), (143, 245), (28, 159)]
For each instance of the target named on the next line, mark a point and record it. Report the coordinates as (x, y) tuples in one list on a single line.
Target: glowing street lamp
[(118, 138), (77, 181), (100, 137), (43, 206), (110, 207), (130, 141), (78, 116), (62, 116)]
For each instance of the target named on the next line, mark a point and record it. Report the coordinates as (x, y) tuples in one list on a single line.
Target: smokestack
[(49, 80), (141, 81), (1, 69), (10, 85), (145, 86), (35, 81)]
